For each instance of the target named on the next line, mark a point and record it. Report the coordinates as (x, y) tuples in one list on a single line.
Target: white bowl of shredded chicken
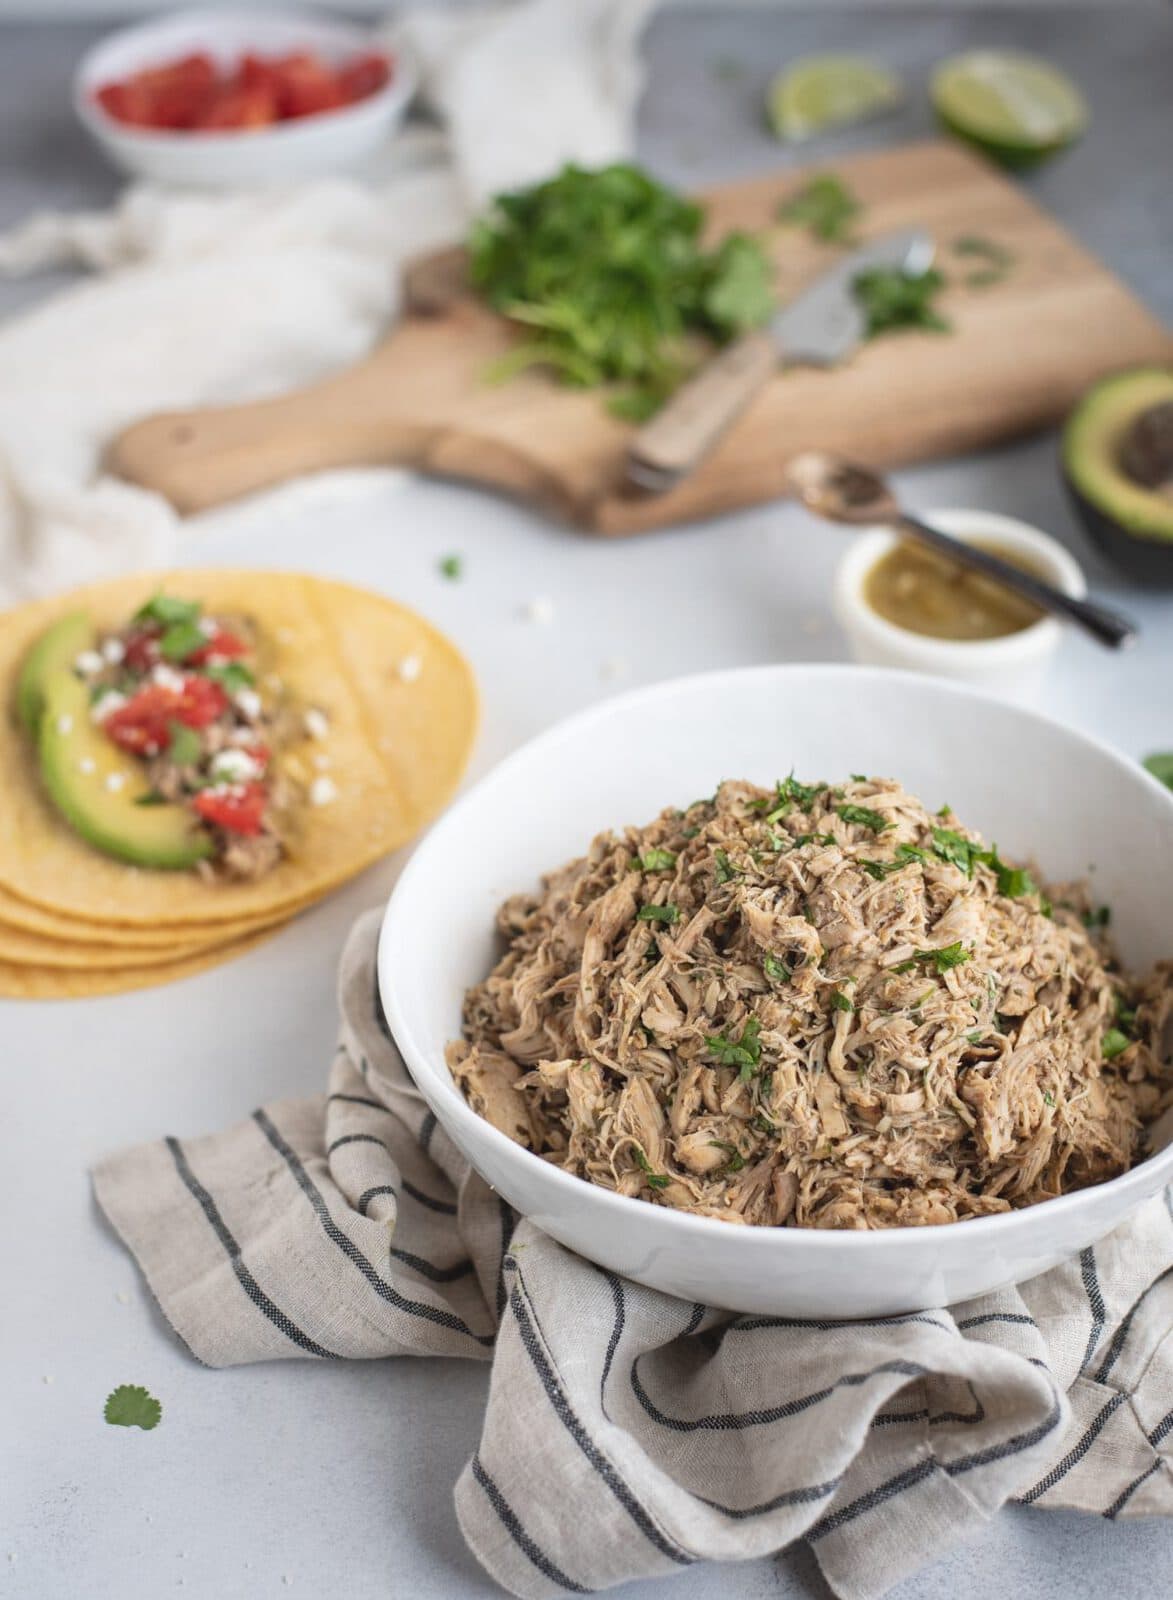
[(880, 1021)]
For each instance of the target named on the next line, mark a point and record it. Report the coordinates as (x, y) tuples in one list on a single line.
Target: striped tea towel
[(349, 1225)]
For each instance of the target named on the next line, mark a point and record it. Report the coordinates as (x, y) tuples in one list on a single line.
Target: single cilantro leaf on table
[(891, 299), (130, 1406), (826, 206), (1161, 766)]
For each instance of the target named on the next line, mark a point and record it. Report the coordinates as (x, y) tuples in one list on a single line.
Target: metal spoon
[(842, 491)]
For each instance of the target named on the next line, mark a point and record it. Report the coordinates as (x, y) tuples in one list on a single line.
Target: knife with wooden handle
[(819, 328)]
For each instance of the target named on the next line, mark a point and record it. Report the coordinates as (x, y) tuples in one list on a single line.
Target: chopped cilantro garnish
[(745, 1052), (777, 971), (184, 747), (908, 853), (762, 1124), (954, 847), (1013, 882), (995, 259), (864, 817), (725, 870), (1161, 766), (879, 870), (1125, 1014), (891, 298), (1114, 1043), (656, 1180), (667, 913), (180, 640), (950, 955), (789, 792), (825, 205), (691, 833), (1048, 1097), (859, 777), (1100, 917), (451, 567), (231, 675), (813, 838), (165, 609), (842, 1002), (736, 1159), (130, 1406), (655, 861), (151, 798), (976, 1036)]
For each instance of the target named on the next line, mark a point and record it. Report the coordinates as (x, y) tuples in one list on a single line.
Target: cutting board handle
[(680, 436), (199, 459)]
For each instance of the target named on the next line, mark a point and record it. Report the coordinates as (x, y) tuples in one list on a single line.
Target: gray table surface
[(338, 1477)]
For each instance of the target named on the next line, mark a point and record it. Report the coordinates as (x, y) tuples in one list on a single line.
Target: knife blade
[(820, 327)]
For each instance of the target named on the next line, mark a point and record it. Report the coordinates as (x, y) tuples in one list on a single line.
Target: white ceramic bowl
[(304, 148), (1034, 786), (1013, 666)]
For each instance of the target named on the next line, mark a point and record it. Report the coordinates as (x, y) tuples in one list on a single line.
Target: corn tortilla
[(76, 983), (397, 749), (20, 948), (24, 917)]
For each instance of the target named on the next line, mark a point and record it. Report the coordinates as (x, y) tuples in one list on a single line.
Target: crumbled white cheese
[(316, 723), (167, 677), (234, 766), (106, 704), (113, 651), (410, 668), (86, 764), (88, 663), (208, 627), (65, 723), (248, 701), (322, 791), (321, 761), (540, 610), (115, 781)]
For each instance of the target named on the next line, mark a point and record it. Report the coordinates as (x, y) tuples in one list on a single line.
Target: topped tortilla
[(353, 717)]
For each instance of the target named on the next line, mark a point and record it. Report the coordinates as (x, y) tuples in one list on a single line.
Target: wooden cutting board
[(1021, 353)]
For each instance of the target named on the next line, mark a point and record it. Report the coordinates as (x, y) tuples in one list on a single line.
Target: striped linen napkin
[(350, 1226)]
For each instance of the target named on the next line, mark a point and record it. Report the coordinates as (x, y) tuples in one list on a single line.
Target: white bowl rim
[(972, 654), (399, 88), (684, 1224)]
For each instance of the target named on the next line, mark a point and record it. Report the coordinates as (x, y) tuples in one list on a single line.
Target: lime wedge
[(1016, 108), (820, 92)]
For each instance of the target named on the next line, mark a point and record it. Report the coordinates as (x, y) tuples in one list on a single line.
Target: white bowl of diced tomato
[(228, 98)]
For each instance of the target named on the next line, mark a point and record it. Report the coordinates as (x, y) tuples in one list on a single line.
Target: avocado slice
[(1131, 520), (55, 651), (96, 787)]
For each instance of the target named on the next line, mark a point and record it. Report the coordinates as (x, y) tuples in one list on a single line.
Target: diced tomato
[(255, 72), (171, 96), (233, 107), (238, 809), (141, 726), (307, 86), (364, 76), (222, 645)]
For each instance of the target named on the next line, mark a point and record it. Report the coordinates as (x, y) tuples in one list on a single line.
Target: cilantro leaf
[(744, 1053), (891, 299), (129, 1406), (1114, 1043), (725, 871), (825, 205), (184, 746), (1160, 765), (180, 640), (736, 1159), (777, 971), (957, 849), (656, 1180), (165, 609), (1013, 882), (451, 567), (841, 1001), (231, 675), (666, 913), (655, 861), (949, 955), (864, 817)]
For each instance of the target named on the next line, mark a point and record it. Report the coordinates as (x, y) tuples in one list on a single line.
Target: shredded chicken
[(815, 1008)]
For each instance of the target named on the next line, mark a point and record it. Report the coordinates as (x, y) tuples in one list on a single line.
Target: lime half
[(1016, 108), (820, 92)]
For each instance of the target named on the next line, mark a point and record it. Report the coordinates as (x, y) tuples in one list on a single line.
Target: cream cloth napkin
[(209, 299), (629, 1434)]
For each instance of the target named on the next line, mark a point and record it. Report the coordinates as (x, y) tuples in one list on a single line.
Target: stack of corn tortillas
[(402, 713)]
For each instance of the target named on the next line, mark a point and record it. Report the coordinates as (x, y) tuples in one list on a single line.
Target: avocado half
[(1116, 483)]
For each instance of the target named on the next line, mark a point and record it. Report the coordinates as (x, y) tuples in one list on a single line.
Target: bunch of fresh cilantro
[(607, 270)]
